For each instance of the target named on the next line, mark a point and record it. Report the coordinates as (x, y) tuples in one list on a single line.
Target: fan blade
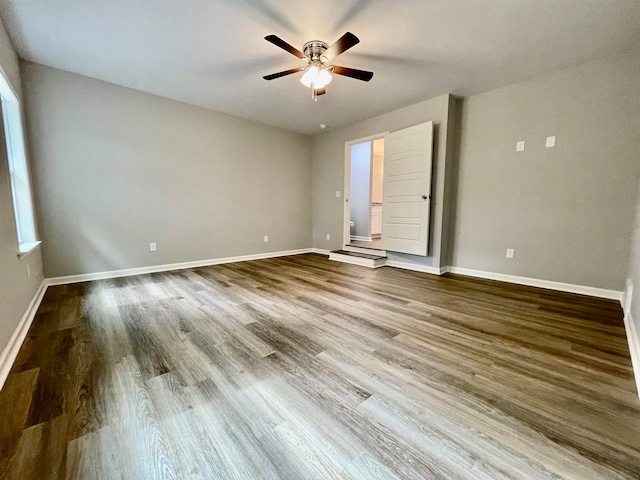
[(282, 74), (343, 44), (278, 42), (320, 91), (352, 72)]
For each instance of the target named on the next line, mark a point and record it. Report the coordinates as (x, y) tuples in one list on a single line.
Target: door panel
[(410, 141), (403, 232), (406, 165), (407, 189), (404, 210), (404, 188)]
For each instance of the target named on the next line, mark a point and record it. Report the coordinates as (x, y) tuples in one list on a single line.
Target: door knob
[(424, 197)]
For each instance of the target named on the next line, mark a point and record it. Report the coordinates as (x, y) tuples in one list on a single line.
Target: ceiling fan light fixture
[(317, 74), (309, 76), (318, 77), (324, 78)]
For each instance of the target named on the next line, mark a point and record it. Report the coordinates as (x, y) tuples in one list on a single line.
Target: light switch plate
[(509, 252), (153, 247), (551, 141), (338, 193), (266, 238), (520, 146)]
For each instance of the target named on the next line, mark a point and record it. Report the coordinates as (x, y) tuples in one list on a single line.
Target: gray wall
[(450, 180), (567, 211), (360, 191), (16, 288), (116, 169), (328, 173), (633, 274)]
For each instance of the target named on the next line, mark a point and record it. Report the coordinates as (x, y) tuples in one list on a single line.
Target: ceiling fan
[(317, 55)]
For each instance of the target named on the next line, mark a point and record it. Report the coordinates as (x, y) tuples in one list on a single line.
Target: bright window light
[(18, 168)]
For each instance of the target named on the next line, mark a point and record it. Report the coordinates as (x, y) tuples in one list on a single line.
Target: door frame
[(346, 214)]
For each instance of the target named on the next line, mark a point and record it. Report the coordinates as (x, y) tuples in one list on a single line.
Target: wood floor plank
[(367, 467), (40, 453), (298, 367), (17, 393)]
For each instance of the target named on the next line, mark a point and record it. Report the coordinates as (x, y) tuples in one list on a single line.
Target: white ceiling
[(212, 53)]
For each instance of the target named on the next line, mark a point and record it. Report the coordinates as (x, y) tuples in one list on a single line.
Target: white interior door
[(407, 189)]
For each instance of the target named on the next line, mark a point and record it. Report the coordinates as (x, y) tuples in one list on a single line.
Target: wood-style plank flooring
[(302, 368)]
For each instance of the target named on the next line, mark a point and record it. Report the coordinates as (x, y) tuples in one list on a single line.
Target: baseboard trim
[(361, 239), (8, 356), (321, 251), (87, 277), (634, 348), (536, 282), (416, 267)]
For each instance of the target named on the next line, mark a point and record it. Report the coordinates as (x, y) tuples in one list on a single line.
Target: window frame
[(18, 167)]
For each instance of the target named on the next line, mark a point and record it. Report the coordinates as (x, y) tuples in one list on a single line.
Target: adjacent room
[(356, 239)]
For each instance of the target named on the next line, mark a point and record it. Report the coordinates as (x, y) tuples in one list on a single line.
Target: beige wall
[(328, 174), (567, 211), (116, 169), (16, 287), (376, 176)]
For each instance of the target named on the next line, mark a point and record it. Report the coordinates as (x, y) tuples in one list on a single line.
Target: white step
[(357, 258)]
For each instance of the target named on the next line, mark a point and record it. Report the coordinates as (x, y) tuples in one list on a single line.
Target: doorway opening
[(363, 211), (392, 215)]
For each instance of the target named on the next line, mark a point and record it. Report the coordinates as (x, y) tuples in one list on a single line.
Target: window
[(18, 168)]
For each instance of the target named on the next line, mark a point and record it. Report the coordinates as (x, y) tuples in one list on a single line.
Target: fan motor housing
[(315, 49)]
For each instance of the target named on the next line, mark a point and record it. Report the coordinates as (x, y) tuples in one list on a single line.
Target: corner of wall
[(450, 181), (634, 347)]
